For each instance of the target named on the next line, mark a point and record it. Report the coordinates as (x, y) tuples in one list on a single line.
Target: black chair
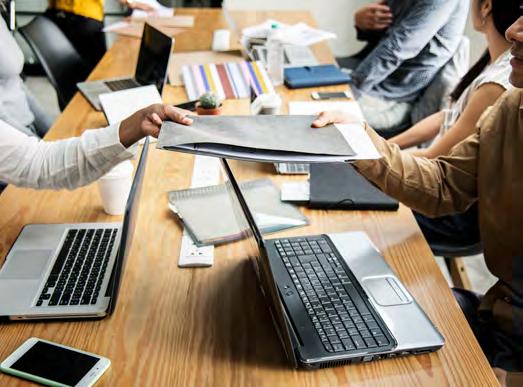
[(62, 64), (454, 255)]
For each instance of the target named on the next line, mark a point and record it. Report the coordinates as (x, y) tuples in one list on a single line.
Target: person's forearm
[(69, 163), (432, 187), (423, 131)]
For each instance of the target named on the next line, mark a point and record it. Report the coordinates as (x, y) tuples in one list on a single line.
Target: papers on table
[(258, 138), (354, 133), (119, 105), (228, 80), (299, 34), (351, 107), (295, 192), (158, 10)]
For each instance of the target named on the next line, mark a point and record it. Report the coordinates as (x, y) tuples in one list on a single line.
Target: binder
[(313, 76), (340, 186), (208, 213)]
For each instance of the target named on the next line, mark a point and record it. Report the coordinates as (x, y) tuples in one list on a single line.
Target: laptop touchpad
[(25, 264), (385, 291)]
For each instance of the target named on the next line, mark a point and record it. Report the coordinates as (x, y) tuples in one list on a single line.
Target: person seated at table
[(28, 162), (486, 81), (82, 22), (485, 168), (17, 106), (413, 40)]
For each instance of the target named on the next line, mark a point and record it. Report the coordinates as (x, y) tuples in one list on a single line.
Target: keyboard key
[(328, 347), (338, 347), (358, 342), (381, 341), (370, 342), (348, 344)]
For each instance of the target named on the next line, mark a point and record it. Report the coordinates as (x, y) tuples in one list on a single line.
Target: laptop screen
[(128, 227), (258, 255), (153, 58)]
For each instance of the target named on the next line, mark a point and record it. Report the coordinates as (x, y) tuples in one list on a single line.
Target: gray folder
[(259, 138)]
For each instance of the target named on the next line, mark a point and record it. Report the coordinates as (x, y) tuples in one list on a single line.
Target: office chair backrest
[(62, 64)]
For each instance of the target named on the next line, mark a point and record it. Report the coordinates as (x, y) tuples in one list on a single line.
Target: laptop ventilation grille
[(336, 363)]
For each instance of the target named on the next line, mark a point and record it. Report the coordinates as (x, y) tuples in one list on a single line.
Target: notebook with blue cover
[(312, 76)]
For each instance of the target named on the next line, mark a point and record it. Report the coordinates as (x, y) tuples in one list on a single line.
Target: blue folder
[(312, 76)]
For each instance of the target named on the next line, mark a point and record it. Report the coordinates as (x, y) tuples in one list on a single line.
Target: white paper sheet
[(295, 191), (354, 132), (119, 105)]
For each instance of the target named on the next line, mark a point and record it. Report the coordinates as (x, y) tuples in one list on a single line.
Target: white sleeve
[(29, 162)]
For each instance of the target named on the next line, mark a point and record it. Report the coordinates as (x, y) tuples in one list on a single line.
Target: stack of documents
[(264, 138), (208, 213), (228, 80), (300, 34)]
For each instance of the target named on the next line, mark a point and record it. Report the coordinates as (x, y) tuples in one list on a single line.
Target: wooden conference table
[(178, 327)]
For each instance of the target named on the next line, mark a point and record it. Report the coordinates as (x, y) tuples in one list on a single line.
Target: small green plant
[(209, 101)]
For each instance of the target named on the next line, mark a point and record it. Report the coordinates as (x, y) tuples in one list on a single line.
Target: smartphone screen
[(54, 363)]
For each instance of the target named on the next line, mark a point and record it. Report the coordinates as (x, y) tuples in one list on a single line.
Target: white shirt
[(498, 72), (29, 162)]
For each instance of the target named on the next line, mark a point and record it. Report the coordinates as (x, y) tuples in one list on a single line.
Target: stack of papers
[(158, 10), (265, 139), (228, 80), (300, 34)]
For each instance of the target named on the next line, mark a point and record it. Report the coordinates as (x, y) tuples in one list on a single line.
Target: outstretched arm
[(25, 161), (433, 187)]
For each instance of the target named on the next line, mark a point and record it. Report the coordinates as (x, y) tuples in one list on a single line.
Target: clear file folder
[(263, 138), (206, 212)]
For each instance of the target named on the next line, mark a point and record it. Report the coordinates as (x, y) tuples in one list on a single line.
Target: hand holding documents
[(262, 138)]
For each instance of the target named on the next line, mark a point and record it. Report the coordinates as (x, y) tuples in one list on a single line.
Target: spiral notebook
[(208, 215)]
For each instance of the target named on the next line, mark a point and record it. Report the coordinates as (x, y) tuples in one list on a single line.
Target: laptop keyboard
[(336, 309), (122, 84), (79, 269)]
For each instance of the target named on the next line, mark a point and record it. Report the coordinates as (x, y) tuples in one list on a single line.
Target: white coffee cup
[(115, 186), (221, 40)]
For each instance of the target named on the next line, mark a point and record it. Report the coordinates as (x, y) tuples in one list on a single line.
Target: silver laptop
[(151, 69), (333, 298), (69, 270)]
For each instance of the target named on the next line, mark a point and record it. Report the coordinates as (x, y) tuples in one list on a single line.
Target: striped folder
[(227, 80)]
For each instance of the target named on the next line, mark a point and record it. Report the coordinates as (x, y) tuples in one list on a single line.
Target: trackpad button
[(385, 291), (26, 264)]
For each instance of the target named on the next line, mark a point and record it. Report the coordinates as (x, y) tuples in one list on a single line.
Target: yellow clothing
[(93, 9)]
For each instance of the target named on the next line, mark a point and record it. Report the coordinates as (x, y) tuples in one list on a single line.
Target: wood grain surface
[(200, 327)]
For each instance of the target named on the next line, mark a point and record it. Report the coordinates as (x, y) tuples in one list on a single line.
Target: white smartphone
[(54, 365), (332, 95)]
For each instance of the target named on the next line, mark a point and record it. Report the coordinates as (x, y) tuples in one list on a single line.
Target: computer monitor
[(155, 51)]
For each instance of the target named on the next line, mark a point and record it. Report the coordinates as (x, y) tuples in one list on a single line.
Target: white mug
[(114, 188)]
